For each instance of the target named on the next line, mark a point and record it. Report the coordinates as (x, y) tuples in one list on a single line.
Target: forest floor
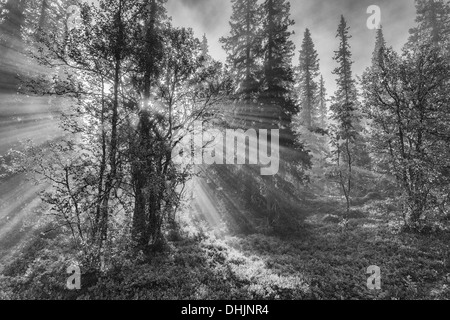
[(322, 260)]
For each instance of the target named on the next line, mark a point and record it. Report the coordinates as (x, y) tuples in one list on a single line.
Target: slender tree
[(345, 130), (380, 43), (308, 71), (205, 47)]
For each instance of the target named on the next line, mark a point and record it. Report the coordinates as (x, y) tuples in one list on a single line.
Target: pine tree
[(279, 106), (278, 48), (308, 72), (243, 45), (345, 100), (345, 130), (380, 43), (205, 47), (244, 57)]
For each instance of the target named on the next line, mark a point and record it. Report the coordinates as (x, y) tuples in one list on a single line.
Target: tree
[(278, 103), (244, 57), (243, 46), (205, 48), (346, 127), (278, 48), (277, 100), (433, 23), (308, 71), (146, 218), (309, 133), (94, 61), (186, 90), (113, 175), (406, 98), (380, 44)]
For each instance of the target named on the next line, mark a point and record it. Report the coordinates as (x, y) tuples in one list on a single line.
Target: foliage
[(243, 46), (308, 71), (128, 88), (406, 100), (346, 126), (321, 262)]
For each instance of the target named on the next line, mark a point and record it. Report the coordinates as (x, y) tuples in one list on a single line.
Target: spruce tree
[(345, 100), (244, 57), (278, 47), (243, 45), (279, 106), (308, 72), (205, 48), (380, 43), (345, 114)]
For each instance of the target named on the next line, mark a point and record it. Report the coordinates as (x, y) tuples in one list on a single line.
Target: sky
[(322, 17)]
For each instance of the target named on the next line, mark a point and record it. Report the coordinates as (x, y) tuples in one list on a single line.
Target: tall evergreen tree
[(308, 72), (345, 130), (278, 47), (279, 105), (380, 43), (243, 45), (205, 46), (244, 57)]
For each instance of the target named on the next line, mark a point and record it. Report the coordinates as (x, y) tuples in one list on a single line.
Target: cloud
[(203, 16)]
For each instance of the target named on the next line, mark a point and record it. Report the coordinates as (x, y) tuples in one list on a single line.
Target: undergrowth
[(323, 260)]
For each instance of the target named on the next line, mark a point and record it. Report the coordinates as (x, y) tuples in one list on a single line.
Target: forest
[(134, 165)]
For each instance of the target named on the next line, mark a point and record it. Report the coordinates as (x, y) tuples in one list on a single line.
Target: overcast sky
[(320, 16)]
